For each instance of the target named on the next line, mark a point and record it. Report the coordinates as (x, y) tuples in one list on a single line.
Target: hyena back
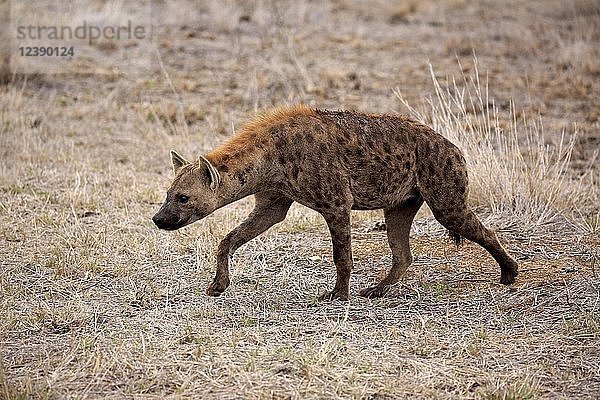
[(332, 162)]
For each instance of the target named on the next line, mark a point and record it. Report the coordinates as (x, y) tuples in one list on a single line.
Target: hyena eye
[(183, 198)]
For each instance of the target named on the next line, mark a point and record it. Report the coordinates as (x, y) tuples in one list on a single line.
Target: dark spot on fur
[(295, 170), (431, 169), (448, 167), (320, 205)]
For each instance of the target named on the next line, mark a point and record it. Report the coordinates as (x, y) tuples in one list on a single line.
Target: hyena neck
[(241, 174)]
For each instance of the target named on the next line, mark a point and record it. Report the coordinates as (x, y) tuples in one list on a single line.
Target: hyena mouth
[(180, 224)]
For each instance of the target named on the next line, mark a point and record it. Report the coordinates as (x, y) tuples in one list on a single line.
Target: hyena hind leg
[(466, 224), (398, 221)]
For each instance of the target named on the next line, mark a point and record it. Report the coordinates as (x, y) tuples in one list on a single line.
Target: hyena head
[(192, 195)]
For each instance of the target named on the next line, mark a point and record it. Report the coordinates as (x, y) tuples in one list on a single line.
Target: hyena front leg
[(269, 208), (339, 227), (398, 221)]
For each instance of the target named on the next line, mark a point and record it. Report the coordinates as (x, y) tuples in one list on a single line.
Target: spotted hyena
[(332, 162)]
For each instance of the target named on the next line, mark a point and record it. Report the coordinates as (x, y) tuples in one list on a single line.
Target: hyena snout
[(167, 221), (160, 222)]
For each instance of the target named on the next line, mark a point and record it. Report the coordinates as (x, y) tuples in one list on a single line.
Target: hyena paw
[(508, 275), (341, 294), (216, 288), (374, 291)]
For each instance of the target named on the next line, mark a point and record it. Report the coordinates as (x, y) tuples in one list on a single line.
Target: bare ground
[(95, 302)]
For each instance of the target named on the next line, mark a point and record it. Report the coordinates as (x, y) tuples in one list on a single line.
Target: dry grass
[(95, 302)]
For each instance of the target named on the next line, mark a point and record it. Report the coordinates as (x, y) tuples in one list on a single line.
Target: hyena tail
[(456, 238)]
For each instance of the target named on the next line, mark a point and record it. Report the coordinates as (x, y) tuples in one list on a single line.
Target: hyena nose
[(158, 221)]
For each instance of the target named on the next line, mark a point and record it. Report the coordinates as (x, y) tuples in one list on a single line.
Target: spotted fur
[(332, 162)]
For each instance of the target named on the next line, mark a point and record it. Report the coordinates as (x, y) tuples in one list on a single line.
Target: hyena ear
[(215, 178), (178, 161)]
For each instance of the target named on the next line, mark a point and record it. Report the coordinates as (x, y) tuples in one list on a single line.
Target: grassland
[(95, 302)]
